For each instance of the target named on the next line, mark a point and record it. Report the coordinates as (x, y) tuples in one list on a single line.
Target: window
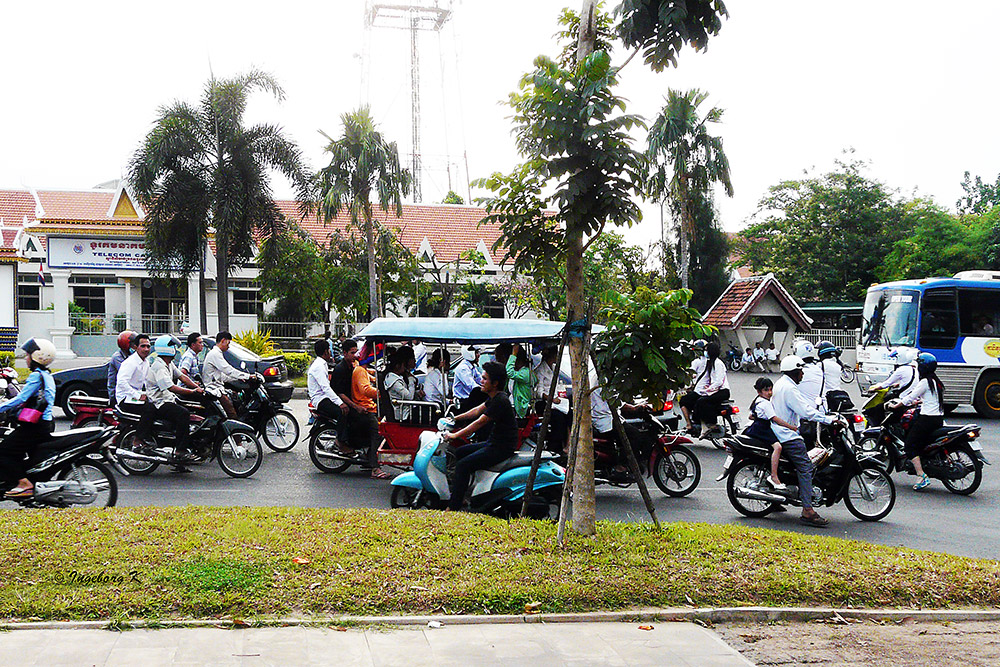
[(91, 299), (939, 319), (29, 297), (246, 302), (979, 312)]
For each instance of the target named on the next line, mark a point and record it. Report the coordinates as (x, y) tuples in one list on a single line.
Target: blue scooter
[(497, 490)]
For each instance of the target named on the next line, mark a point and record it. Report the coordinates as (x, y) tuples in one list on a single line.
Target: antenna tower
[(428, 15)]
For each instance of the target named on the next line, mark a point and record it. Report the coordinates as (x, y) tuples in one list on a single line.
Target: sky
[(907, 85)]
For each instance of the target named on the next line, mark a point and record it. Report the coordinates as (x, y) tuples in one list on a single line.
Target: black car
[(93, 380)]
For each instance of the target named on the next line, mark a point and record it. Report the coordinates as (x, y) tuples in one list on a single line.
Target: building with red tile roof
[(761, 297)]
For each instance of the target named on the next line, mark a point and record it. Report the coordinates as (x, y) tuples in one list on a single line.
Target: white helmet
[(40, 351), (469, 353), (906, 355), (791, 363), (805, 350)]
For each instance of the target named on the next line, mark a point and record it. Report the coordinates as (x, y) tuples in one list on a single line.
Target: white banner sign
[(96, 253)]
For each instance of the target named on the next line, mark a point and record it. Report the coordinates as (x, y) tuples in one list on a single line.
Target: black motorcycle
[(213, 436), (327, 451), (71, 469), (865, 488), (954, 457), (269, 418)]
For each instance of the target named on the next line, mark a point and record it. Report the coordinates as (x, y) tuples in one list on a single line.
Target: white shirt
[(600, 411), (902, 376), (420, 354), (216, 370), (930, 402), (748, 359), (435, 388), (131, 378), (831, 375), (544, 374), (758, 353), (468, 376), (160, 377), (762, 409), (791, 405), (697, 366), (711, 383), (772, 354), (318, 383), (812, 382)]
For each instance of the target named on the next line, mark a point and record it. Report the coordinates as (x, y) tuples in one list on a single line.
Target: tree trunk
[(202, 292), (685, 267), (373, 305), (222, 279)]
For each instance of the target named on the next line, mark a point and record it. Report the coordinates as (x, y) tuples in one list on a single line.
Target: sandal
[(18, 492), (380, 474)]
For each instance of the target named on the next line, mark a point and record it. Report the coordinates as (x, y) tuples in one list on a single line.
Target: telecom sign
[(96, 253)]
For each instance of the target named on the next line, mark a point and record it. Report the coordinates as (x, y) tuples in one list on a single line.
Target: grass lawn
[(162, 563)]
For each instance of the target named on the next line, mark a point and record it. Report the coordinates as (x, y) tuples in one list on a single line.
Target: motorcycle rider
[(791, 406), (126, 346), (689, 399), (712, 389), (189, 360), (927, 392), (162, 391), (829, 360), (132, 374), (903, 376), (216, 371), (27, 435), (811, 386), (324, 399)]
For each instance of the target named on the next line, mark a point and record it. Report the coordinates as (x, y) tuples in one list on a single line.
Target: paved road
[(932, 519)]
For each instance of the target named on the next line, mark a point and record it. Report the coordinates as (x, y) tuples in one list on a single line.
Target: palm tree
[(361, 161), (200, 170), (686, 162)]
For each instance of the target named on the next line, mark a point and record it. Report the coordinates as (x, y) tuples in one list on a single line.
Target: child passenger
[(761, 416)]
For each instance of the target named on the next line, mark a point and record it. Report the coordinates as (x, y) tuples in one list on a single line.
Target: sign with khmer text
[(96, 253)]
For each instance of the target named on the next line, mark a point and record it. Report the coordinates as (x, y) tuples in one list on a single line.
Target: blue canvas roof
[(461, 329)]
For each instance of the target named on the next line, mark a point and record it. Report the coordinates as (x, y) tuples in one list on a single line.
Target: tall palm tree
[(686, 161), (361, 161), (201, 170)]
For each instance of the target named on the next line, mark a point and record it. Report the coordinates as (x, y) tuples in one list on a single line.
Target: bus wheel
[(987, 398)]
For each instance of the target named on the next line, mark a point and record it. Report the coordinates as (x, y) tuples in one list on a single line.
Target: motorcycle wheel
[(403, 497), (869, 449), (326, 440), (97, 473), (847, 375), (966, 486), (281, 432), (746, 472), (135, 466), (240, 455), (677, 474), (735, 365), (870, 494)]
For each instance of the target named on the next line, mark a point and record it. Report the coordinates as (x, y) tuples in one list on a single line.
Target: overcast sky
[(908, 84)]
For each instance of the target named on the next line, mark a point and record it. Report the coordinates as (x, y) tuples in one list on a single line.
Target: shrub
[(297, 363), (257, 342), (6, 359)]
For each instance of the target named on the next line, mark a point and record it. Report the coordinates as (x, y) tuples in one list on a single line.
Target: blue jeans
[(471, 458), (795, 450)]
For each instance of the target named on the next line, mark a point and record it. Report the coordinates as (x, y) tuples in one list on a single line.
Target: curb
[(705, 615), (300, 392)]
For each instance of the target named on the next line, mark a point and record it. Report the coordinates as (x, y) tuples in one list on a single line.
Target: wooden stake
[(633, 465)]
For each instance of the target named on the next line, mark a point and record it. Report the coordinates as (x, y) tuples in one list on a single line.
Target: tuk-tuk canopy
[(461, 330)]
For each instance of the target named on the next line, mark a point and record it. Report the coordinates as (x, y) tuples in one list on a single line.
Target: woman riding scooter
[(927, 392), (35, 419)]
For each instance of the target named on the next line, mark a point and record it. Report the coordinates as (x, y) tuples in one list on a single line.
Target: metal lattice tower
[(415, 17)]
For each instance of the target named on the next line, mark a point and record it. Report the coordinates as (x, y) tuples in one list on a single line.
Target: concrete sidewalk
[(682, 644)]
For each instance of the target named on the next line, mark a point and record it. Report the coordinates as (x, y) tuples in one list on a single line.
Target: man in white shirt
[(468, 378), (162, 391), (321, 394), (216, 371), (600, 411), (131, 379), (791, 406), (772, 357)]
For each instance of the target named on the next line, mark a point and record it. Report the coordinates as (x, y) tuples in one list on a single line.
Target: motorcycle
[(9, 384), (269, 418), (866, 489), (497, 490), (327, 452), (72, 469), (729, 414), (212, 436), (954, 457), (92, 411), (734, 358), (660, 453)]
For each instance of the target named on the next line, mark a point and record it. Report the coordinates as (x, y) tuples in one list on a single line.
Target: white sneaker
[(776, 485)]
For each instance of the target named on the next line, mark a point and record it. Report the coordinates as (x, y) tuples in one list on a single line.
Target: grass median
[(194, 562)]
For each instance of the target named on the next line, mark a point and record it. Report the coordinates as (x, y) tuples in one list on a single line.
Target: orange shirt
[(362, 391)]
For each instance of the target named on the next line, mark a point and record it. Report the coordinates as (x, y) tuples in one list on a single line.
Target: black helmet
[(926, 364), (826, 350)]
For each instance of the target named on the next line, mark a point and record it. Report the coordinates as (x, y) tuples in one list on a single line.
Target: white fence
[(846, 339)]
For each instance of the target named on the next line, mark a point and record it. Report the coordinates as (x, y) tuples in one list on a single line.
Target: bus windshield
[(890, 317)]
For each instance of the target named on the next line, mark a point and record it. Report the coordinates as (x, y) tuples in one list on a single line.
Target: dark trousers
[(147, 415), (476, 397), (795, 450), (707, 408), (471, 458), (921, 434), (367, 424), (20, 443), (689, 400), (179, 418)]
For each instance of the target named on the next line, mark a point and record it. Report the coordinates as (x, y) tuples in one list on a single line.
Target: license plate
[(976, 447), (736, 423), (859, 426), (729, 462)]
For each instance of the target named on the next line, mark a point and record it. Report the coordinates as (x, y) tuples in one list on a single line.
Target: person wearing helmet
[(38, 393), (468, 378), (903, 376), (792, 406), (126, 346), (927, 393), (836, 398), (162, 391)]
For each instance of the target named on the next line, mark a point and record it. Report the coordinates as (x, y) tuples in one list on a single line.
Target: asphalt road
[(932, 519)]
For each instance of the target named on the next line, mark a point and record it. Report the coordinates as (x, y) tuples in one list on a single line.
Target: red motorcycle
[(92, 411)]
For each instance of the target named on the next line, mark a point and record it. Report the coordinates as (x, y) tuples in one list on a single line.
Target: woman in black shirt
[(500, 445)]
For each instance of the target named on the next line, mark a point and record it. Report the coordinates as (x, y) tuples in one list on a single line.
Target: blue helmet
[(926, 363), (166, 346), (825, 349)]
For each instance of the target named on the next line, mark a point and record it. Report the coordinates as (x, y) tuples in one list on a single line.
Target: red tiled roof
[(738, 301), (85, 205), (15, 205)]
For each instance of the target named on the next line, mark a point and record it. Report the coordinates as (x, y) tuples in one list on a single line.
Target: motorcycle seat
[(750, 441), (517, 461), (65, 439), (90, 401)]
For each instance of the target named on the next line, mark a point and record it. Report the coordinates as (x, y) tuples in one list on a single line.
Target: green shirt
[(522, 382)]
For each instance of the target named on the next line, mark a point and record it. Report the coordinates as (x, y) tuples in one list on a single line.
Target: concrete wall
[(94, 346)]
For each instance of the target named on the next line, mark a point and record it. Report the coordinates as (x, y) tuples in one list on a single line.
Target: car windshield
[(890, 317)]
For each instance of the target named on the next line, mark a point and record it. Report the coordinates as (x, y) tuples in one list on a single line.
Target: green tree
[(939, 245), (979, 196), (363, 161), (709, 255), (453, 198), (824, 237), (200, 169), (573, 134), (686, 162)]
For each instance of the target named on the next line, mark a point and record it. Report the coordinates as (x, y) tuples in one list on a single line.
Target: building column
[(61, 332), (193, 303)]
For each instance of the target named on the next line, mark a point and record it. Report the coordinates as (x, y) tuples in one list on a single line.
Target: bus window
[(979, 311), (939, 319)]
